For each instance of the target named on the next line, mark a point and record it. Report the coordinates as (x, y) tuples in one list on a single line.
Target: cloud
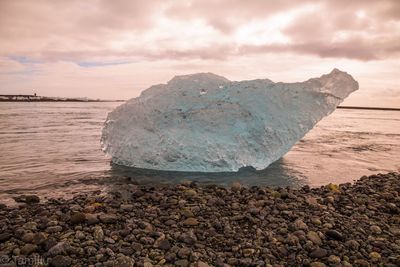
[(76, 48), (104, 30)]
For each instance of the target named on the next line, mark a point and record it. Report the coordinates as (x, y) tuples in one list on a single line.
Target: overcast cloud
[(115, 49)]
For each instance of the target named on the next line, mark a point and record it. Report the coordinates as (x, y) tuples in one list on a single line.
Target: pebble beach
[(209, 225)]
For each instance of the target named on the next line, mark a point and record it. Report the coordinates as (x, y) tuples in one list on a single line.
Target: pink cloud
[(79, 30), (157, 39)]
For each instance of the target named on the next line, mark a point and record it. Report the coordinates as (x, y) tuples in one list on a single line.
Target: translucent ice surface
[(204, 122)]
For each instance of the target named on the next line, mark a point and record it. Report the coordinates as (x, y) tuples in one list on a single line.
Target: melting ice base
[(206, 123)]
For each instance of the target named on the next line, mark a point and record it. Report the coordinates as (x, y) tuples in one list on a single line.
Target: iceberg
[(205, 123)]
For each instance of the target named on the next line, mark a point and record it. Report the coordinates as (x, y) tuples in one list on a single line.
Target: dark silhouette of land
[(36, 98), (371, 108)]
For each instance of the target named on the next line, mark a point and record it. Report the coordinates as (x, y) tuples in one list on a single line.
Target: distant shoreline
[(37, 98), (370, 108), (60, 100), (34, 98)]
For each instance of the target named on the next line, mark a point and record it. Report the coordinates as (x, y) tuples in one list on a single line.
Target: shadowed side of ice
[(206, 123)]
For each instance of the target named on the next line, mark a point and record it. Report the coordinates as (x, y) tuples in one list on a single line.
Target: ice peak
[(202, 76), (338, 83)]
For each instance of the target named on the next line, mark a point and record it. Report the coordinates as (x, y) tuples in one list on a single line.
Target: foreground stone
[(191, 225)]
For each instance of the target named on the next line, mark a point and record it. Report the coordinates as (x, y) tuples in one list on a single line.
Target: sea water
[(53, 149)]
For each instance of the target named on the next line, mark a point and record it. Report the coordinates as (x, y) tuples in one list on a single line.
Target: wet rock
[(39, 238), (201, 264), (188, 238), (5, 236), (77, 218), (318, 253), (316, 221), (182, 263), (54, 229), (136, 246), (361, 263), (374, 256), (164, 245), (334, 235), (187, 213), (352, 244), (184, 252), (190, 193), (317, 264), (80, 235), (127, 207), (236, 186), (32, 226), (28, 199), (248, 252), (333, 259), (312, 201), (61, 261), (124, 261), (58, 249), (98, 233), (191, 222), (28, 237), (108, 218), (28, 249), (300, 225), (376, 230), (91, 218), (314, 237)]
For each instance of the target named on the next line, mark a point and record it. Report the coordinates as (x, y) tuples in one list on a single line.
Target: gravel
[(191, 225)]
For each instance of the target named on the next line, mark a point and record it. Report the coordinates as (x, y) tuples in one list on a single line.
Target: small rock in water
[(29, 199)]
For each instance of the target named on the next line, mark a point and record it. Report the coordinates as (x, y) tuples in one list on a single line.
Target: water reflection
[(277, 174)]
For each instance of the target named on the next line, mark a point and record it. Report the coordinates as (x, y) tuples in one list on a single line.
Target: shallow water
[(53, 149)]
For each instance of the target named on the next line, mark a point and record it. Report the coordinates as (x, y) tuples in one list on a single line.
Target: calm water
[(53, 149)]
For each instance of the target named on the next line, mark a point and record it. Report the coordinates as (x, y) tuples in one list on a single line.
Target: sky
[(115, 49)]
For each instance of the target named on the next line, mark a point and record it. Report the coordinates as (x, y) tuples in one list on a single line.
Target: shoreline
[(191, 225)]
